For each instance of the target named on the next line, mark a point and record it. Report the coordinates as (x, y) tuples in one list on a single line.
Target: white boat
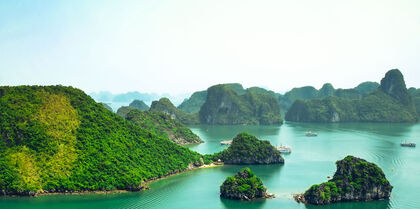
[(284, 149), (408, 144), (310, 133), (226, 142)]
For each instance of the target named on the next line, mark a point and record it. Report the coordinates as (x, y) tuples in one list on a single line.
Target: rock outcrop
[(247, 149), (355, 180), (224, 106), (243, 186)]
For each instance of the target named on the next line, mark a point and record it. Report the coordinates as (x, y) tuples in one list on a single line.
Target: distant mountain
[(166, 106), (309, 92), (194, 103), (391, 102), (58, 139), (163, 125), (224, 106), (139, 104), (117, 100)]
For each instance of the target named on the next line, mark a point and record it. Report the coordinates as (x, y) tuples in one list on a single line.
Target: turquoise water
[(311, 161)]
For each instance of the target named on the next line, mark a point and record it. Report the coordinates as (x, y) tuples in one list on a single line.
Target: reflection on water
[(311, 161)]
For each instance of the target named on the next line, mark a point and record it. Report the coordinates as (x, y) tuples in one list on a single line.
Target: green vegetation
[(355, 179), (122, 111), (247, 149), (415, 94), (224, 106), (166, 106), (243, 186), (309, 93), (139, 104), (162, 124), (194, 103), (107, 107), (389, 103), (58, 139)]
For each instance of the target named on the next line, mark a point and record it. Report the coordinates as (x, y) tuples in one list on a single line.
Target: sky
[(184, 46)]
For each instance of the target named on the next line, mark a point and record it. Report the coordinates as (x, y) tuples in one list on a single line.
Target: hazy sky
[(179, 46)]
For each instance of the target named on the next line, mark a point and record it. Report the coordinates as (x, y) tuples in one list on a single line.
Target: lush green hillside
[(194, 103), (166, 106), (225, 107), (247, 149), (355, 180), (107, 106), (139, 104), (245, 185), (58, 139), (163, 125), (388, 103)]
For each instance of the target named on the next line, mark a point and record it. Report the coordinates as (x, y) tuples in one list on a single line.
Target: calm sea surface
[(311, 161)]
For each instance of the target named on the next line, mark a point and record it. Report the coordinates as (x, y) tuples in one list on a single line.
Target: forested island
[(247, 149), (390, 102), (355, 180), (245, 185), (58, 139)]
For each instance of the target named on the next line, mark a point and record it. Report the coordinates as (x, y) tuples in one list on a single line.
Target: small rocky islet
[(247, 149), (355, 180), (245, 185)]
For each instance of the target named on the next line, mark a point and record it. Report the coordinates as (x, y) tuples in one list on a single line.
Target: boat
[(310, 133), (226, 142), (408, 144), (284, 149)]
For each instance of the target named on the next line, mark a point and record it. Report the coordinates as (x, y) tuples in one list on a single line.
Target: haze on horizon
[(185, 46)]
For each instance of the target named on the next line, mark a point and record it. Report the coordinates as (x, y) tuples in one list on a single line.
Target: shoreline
[(144, 186)]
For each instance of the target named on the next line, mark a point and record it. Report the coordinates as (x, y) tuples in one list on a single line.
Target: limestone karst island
[(209, 104)]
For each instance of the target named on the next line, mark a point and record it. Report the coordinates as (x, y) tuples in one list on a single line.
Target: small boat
[(310, 133), (408, 144), (284, 149), (226, 142)]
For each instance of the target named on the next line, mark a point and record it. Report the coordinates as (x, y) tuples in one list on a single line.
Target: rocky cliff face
[(224, 106), (247, 149), (393, 84), (355, 180), (243, 186)]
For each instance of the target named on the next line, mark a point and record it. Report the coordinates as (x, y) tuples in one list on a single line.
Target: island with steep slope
[(166, 106), (390, 102), (58, 139), (355, 180), (247, 149), (224, 106), (245, 185)]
